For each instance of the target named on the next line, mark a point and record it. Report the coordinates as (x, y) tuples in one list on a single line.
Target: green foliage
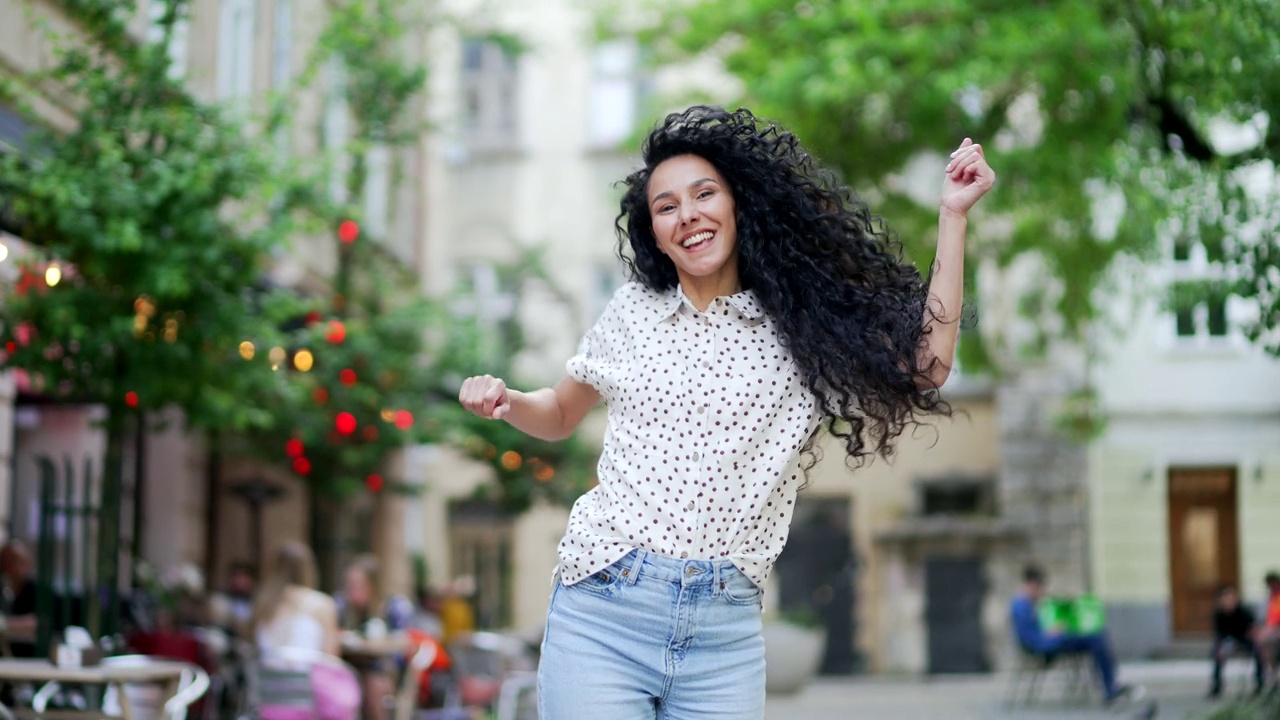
[(151, 205), (1265, 707), (1074, 102), (402, 354)]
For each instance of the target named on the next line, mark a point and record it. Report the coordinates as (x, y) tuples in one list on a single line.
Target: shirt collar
[(668, 303)]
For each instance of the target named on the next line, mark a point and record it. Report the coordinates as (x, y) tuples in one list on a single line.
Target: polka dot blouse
[(707, 415)]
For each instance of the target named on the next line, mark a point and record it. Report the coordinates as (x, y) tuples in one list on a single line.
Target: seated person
[(361, 609), (1053, 641), (1268, 636), (1233, 626), (18, 597)]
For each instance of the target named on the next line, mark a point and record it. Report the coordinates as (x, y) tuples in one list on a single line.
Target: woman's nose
[(688, 214)]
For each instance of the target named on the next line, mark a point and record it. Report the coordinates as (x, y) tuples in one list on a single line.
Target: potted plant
[(794, 643)]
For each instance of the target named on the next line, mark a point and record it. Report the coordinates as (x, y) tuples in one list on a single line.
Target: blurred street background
[(249, 249)]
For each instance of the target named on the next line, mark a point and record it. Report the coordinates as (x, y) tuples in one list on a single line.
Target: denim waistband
[(642, 563)]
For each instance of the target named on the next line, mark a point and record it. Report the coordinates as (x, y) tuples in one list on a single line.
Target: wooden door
[(1203, 544)]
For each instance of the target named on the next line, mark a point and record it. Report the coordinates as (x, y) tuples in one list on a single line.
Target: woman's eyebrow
[(668, 193)]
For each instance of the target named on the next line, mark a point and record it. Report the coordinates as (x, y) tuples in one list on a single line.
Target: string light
[(302, 466), (293, 448), (348, 231), (131, 399), (347, 377), (345, 423), (246, 350), (53, 274), (303, 360), (336, 332), (511, 460), (276, 356), (404, 419), (4, 252)]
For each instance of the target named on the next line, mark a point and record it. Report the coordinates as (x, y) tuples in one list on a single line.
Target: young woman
[(764, 299)]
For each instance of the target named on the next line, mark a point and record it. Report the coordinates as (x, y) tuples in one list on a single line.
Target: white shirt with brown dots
[(707, 415)]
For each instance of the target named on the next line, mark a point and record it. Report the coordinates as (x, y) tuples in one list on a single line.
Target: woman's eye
[(666, 208), (705, 194)]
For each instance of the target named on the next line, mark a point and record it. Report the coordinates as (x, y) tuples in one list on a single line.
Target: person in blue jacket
[(1054, 641)]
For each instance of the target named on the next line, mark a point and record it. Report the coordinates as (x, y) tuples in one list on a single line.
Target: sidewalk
[(1177, 688)]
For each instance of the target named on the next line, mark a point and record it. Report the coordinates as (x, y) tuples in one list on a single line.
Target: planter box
[(792, 655)]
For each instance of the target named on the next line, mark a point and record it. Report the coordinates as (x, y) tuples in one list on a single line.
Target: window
[(608, 278), (235, 48), (489, 94), (956, 496), (1201, 307), (177, 49), (377, 190), (282, 45), (481, 540), (615, 93), (335, 127)]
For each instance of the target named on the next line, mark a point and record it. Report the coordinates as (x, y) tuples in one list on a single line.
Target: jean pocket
[(604, 582), (739, 590)]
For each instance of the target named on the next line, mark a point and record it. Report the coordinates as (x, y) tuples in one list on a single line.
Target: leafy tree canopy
[(1076, 101)]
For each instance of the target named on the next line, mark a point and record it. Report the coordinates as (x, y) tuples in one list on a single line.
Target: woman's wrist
[(947, 213)]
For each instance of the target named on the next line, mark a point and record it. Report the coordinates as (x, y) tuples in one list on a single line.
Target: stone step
[(1183, 649)]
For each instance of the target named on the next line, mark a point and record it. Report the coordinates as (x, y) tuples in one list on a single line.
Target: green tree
[(1076, 101), (382, 358), (151, 207)]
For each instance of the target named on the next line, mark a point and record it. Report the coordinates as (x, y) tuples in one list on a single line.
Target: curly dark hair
[(828, 272)]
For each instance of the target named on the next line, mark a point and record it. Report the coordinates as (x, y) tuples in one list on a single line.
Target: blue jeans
[(1096, 645), (653, 638)]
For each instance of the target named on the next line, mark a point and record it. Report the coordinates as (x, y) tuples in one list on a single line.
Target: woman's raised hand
[(969, 177), (485, 396)]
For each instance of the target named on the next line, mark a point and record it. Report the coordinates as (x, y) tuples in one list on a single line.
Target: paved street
[(1177, 688)]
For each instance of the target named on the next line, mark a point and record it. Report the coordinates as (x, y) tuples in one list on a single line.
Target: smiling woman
[(765, 298), (694, 225)]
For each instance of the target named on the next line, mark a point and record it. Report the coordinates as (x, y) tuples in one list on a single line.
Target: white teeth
[(695, 239)]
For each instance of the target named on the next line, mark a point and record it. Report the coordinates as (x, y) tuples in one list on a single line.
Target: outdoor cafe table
[(359, 650), (42, 671)]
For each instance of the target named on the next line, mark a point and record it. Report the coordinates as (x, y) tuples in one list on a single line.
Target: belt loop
[(715, 580), (633, 572)]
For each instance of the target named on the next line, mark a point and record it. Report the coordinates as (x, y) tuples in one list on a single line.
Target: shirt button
[(697, 457), (706, 364), (690, 506), (684, 556), (702, 409)]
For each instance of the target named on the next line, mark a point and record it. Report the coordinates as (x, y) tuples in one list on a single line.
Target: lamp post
[(257, 493)]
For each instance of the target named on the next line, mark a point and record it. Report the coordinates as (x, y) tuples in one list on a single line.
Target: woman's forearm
[(946, 297), (551, 413)]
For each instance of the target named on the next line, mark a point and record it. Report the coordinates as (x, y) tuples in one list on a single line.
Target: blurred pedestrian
[(289, 610), (765, 298), (232, 609), (363, 610), (18, 597), (1268, 636), (457, 614), (1233, 629)]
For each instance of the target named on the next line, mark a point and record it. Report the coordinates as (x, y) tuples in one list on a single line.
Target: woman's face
[(357, 589), (693, 216)]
